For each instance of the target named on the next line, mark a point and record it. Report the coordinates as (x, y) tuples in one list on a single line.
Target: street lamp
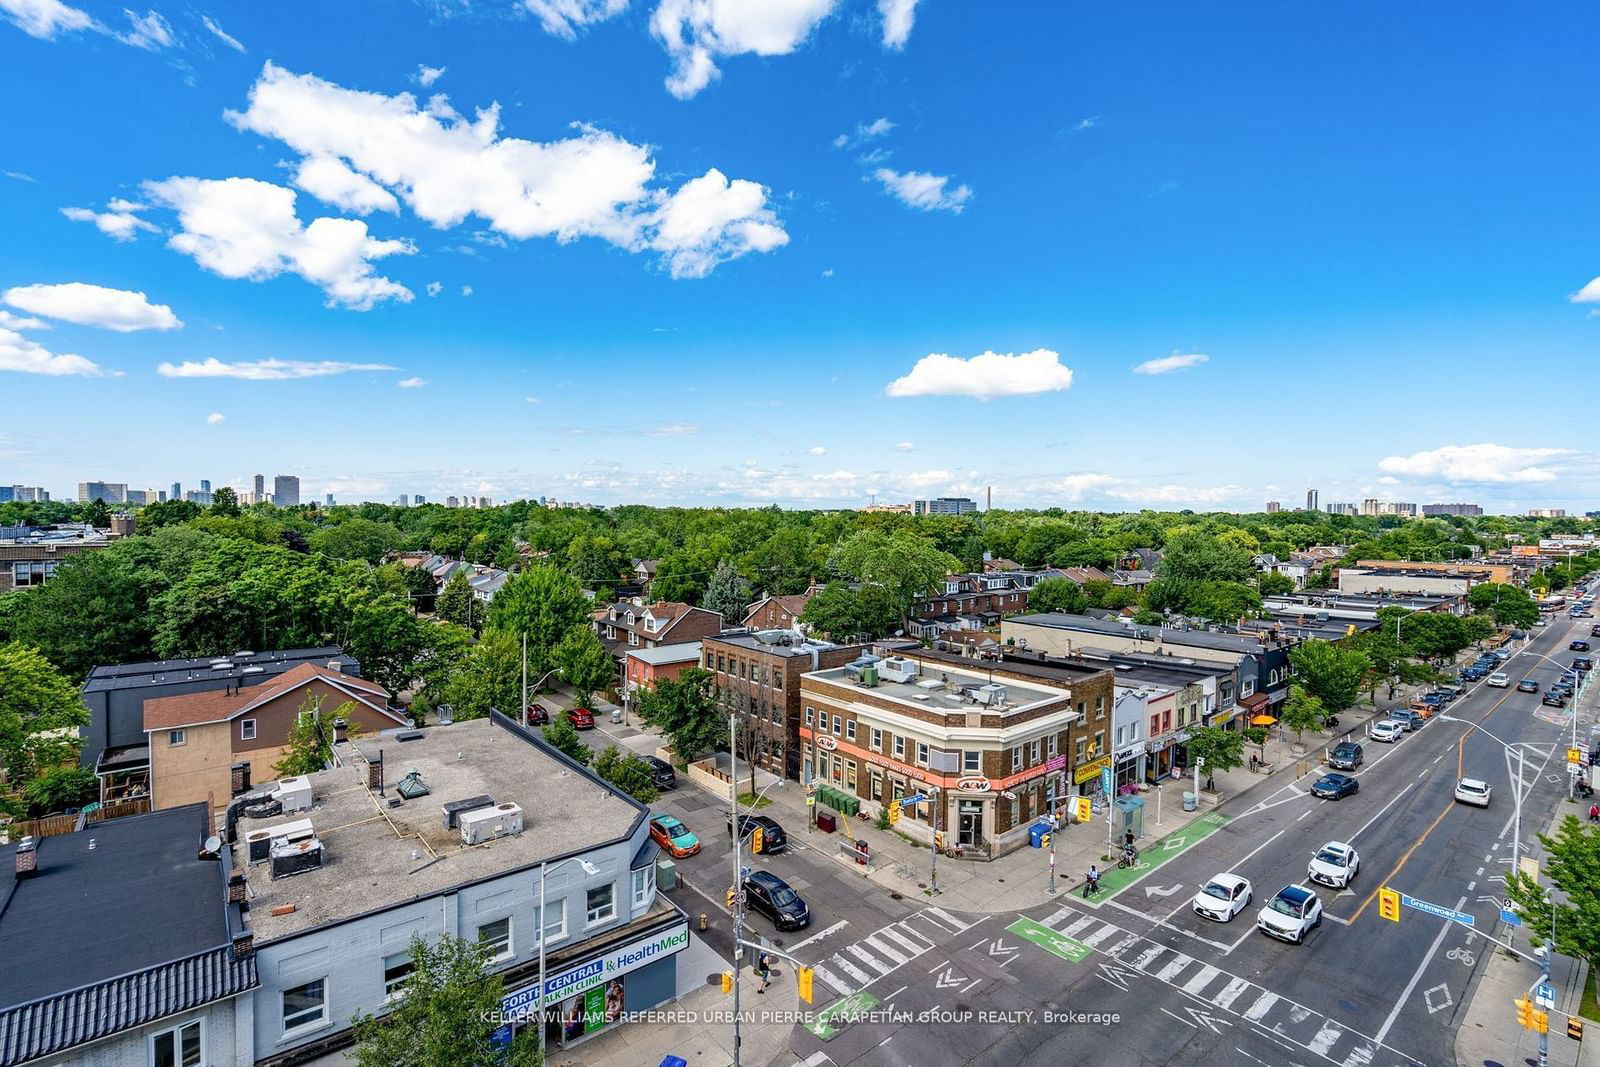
[(1516, 793), (589, 869), (738, 867)]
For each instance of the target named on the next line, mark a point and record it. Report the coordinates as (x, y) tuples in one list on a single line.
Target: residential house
[(779, 612), (971, 602), (122, 945), (642, 668), (210, 746), (644, 573), (1139, 559), (1083, 574), (630, 624), (757, 677), (1001, 564)]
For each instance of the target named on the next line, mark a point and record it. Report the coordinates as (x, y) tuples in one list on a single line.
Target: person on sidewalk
[(763, 971), (1594, 812)]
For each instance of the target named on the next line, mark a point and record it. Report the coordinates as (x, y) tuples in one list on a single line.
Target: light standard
[(738, 867), (589, 869), (1516, 791), (536, 685), (1572, 779)]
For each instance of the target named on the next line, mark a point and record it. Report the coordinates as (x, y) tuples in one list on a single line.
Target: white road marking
[(820, 934), (839, 984), (1302, 815), (943, 916), (1230, 993), (936, 966), (851, 969), (1325, 1038), (869, 959), (1440, 990), (1181, 1019), (1081, 924), (1094, 939), (906, 937), (1201, 980), (1405, 995), (883, 949), (1263, 1004), (1148, 955), (1170, 971)]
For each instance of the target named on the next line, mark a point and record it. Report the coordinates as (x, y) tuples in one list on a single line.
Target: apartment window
[(396, 969), (177, 737), (1016, 758), (850, 730), (1100, 741), (877, 786), (719, 663), (972, 760), (644, 883), (922, 754), (602, 904), (810, 714), (247, 730), (850, 775), (555, 926), (875, 739), (822, 722), (1033, 752), (181, 1046), (1079, 751), (1155, 725), (777, 679), (838, 724), (1099, 707), (496, 937), (899, 747), (1051, 745), (305, 1006), (633, 638), (1166, 720)]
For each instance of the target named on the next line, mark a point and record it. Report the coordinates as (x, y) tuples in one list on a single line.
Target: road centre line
[(820, 934)]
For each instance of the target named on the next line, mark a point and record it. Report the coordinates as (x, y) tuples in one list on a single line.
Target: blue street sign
[(1434, 909), (1509, 917), (915, 798), (1545, 995)]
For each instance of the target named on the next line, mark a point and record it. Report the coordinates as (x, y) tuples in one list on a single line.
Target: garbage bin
[(825, 821), (1190, 801), (862, 851), (1036, 834)]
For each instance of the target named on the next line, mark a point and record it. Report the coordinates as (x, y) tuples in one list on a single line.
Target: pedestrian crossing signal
[(803, 980), (894, 812), (727, 982), (1085, 808), (1389, 905), (938, 839), (729, 898), (1575, 1028)]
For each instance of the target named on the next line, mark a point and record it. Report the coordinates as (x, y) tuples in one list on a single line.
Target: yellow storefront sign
[(1090, 769)]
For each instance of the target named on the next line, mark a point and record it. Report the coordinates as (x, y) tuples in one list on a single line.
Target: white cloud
[(533, 399), (673, 429), (45, 18), (1387, 479), (447, 168), (1074, 487), (220, 34), (1168, 364), (263, 370), (1483, 463), (817, 450), (466, 290), (118, 221), (215, 417), (412, 383), (1088, 123), (26, 356), (427, 75), (93, 305), (898, 16), (17, 175), (984, 376), (150, 31), (1589, 294), (904, 446), (564, 17), (435, 288), (1176, 494), (828, 273), (244, 228), (925, 479), (330, 181), (696, 33), (926, 192)]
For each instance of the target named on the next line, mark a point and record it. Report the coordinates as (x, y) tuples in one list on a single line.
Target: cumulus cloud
[(898, 16), (1589, 294), (696, 33), (565, 17), (466, 290), (23, 355), (215, 417), (427, 75), (1168, 364), (118, 221), (435, 288), (904, 446), (984, 376), (816, 450), (244, 228), (93, 305), (45, 18), (412, 383), (1074, 487), (263, 370), (1176, 494), (1485, 463), (923, 191), (220, 34), (446, 168), (865, 131), (148, 31)]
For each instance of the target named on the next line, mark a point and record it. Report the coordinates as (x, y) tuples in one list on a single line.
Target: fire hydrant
[(704, 922)]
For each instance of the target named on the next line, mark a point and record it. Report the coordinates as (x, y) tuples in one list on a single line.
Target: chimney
[(240, 777), (336, 665), (236, 888), (341, 730), (244, 945), (27, 858)]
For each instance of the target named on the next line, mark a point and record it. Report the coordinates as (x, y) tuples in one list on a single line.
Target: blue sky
[(803, 251)]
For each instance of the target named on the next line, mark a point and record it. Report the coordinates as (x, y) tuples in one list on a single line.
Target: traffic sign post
[(1438, 910)]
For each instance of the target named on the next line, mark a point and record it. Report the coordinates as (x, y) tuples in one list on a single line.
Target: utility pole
[(738, 882), (935, 801), (524, 678), (1544, 971), (1053, 831)]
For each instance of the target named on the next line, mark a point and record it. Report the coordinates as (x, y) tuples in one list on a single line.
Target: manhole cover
[(999, 879), (896, 896)]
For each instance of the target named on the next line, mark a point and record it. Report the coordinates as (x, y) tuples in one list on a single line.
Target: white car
[(1335, 865), (1474, 791), (1290, 915), (1499, 680), (1386, 730), (1225, 896)]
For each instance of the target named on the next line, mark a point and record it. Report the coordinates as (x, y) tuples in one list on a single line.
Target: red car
[(537, 716), (581, 718)]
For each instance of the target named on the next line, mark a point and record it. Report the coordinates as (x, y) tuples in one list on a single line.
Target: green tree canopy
[(1506, 604), (225, 502), (357, 538), (1302, 712), (1572, 865), (490, 676), (455, 602), (1330, 672), (562, 735), (1058, 594), (728, 594), (585, 663), (904, 565), (40, 713), (1222, 750), (543, 603), (684, 708)]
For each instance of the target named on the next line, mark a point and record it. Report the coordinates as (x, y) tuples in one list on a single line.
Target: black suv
[(773, 839), (1580, 645), (661, 772), (771, 896), (1555, 699), (1346, 756)]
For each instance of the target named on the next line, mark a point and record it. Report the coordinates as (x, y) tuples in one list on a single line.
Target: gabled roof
[(191, 709), (793, 604)]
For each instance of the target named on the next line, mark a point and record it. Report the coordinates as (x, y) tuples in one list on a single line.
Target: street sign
[(1545, 995), (1528, 866), (1574, 755), (1437, 910), (1008, 794), (915, 798), (1509, 917), (1105, 780), (1055, 763)]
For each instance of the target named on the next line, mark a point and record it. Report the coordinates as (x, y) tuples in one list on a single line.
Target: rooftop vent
[(408, 735), (295, 857), (294, 794), (243, 653), (898, 669), (411, 786), (992, 695)]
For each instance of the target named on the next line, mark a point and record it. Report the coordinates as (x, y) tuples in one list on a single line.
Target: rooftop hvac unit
[(260, 842), (295, 857), (992, 695), (869, 677), (222, 665), (486, 824), (898, 669), (294, 794), (454, 809)]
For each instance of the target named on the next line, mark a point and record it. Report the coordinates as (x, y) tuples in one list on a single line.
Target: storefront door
[(970, 831)]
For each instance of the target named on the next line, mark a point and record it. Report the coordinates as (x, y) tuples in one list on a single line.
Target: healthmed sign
[(625, 958)]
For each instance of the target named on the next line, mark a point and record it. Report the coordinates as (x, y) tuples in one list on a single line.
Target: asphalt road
[(1183, 989)]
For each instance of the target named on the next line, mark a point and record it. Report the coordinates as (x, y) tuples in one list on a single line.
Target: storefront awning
[(1262, 720)]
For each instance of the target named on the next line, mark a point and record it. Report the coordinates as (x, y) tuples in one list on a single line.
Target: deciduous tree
[(1222, 750), (685, 709), (1330, 672), (40, 712), (543, 603), (1057, 594)]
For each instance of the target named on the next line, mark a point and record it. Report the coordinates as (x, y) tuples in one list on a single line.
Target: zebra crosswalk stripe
[(1149, 954), (945, 917), (881, 947), (906, 937), (1200, 980), (1325, 1038), (1257, 1011), (861, 977), (869, 959), (1082, 924), (837, 984), (1170, 971), (1100, 935), (1230, 993)]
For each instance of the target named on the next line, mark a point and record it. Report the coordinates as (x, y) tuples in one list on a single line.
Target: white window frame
[(875, 739), (850, 730), (176, 1033), (1033, 752), (972, 760), (594, 916), (309, 1023), (556, 931), (899, 746), (1051, 745), (822, 722), (510, 949), (1016, 758), (247, 729), (393, 962), (838, 725), (643, 885), (177, 738), (922, 754), (811, 714)]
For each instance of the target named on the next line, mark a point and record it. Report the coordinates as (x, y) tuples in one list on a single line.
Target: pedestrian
[(763, 971), (1091, 881), (1594, 812)]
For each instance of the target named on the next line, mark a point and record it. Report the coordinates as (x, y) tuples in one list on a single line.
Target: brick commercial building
[(989, 749), (644, 667), (758, 675), (29, 555)]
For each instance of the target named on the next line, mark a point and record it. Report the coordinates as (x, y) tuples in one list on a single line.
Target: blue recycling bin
[(1036, 834)]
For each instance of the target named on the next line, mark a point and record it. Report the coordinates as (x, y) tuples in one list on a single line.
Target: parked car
[(661, 772), (1500, 655), (671, 834), (1578, 645), (537, 715), (1346, 756), (1594, 631), (1473, 791), (1335, 787), (1290, 915), (1408, 719), (1582, 663), (1528, 685), (1225, 896), (1472, 674), (1387, 731), (773, 839), (1554, 698), (580, 718), (1499, 680), (1335, 865), (1434, 700), (1583, 613), (1449, 692), (771, 896)]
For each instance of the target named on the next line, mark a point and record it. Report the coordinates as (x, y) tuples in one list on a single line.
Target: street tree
[(446, 1013), (1221, 750), (1506, 604), (1572, 865), (543, 603), (628, 773), (562, 735), (40, 713), (585, 663), (455, 602), (1058, 594), (1302, 712), (1274, 584), (727, 594), (685, 709), (1330, 672), (901, 563), (489, 676)]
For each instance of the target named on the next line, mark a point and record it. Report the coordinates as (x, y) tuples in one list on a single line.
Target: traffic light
[(1575, 1028), (938, 839), (727, 982), (757, 839), (1085, 808), (802, 976), (1525, 1012), (730, 898), (894, 812), (1541, 1022), (1044, 840), (1389, 905)]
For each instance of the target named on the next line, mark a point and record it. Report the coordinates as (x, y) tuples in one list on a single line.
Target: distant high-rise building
[(1274, 506), (163, 497), (8, 493), (1470, 511), (452, 502), (205, 485), (1547, 513), (485, 502), (419, 500), (944, 505), (28, 494), (1311, 500), (198, 496), (110, 492), (286, 491), (177, 491), (261, 486), (330, 500)]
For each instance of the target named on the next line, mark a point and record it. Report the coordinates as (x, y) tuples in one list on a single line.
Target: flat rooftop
[(375, 856), (784, 643), (116, 897), (1166, 634), (945, 688), (171, 671)]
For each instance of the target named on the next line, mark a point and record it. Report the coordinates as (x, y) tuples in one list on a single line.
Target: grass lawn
[(749, 800), (1590, 1008)]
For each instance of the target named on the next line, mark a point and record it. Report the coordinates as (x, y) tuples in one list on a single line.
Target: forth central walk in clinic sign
[(1434, 909)]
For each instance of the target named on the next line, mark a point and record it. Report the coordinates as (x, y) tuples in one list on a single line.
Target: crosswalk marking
[(1124, 945), (1230, 993), (1170, 971), (1057, 915), (906, 939), (1099, 935), (945, 917), (1081, 924), (1325, 1038), (869, 959), (1201, 980), (851, 969), (1259, 1009), (882, 948), (1360, 1056), (834, 981), (1149, 954)]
